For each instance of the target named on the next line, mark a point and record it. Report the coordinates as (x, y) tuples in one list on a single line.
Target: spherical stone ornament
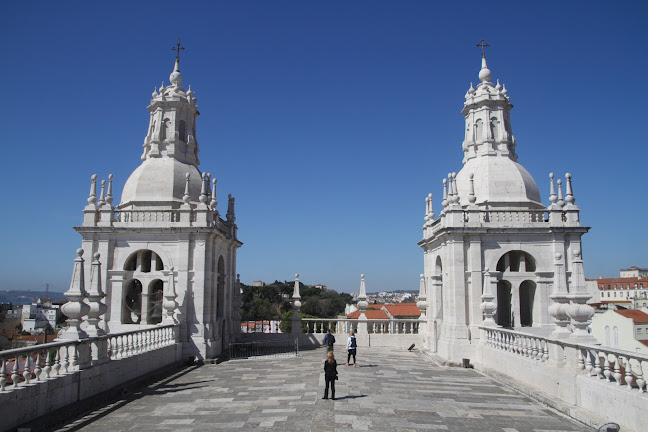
[(485, 74), (175, 78)]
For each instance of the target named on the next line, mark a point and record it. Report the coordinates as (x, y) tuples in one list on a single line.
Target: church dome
[(161, 181), (499, 182)]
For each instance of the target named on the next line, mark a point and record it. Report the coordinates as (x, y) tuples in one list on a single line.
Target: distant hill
[(27, 297)]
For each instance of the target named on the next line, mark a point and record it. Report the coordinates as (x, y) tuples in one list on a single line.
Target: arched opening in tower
[(503, 315), (155, 299), (132, 304), (527, 297)]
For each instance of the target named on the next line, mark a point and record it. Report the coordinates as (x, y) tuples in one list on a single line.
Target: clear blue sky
[(329, 121)]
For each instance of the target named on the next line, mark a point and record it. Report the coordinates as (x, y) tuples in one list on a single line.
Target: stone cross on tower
[(179, 48), (482, 45)]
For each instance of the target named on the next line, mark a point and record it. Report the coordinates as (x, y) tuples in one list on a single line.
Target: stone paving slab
[(395, 391)]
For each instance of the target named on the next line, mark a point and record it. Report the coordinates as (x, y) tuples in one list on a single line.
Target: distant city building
[(37, 316), (623, 329), (258, 283), (626, 288), (321, 286), (634, 272)]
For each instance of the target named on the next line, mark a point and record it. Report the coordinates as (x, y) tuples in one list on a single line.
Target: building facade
[(623, 329), (166, 241), (496, 255)]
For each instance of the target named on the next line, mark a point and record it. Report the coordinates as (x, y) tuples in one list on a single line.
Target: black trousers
[(352, 352), (332, 382)]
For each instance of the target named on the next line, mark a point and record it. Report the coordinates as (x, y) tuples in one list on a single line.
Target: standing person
[(351, 348), (330, 374), (329, 340)]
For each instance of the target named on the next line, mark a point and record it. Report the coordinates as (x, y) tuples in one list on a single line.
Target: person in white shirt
[(352, 345)]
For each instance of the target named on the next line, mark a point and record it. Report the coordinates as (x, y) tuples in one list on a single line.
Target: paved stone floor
[(388, 391)]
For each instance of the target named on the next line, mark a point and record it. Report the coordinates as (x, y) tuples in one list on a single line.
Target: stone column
[(579, 312), (362, 307), (75, 309), (488, 307), (558, 309), (170, 305), (295, 330), (97, 309)]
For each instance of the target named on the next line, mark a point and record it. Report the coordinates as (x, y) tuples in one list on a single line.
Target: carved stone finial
[(561, 202), (472, 198), (92, 197), (109, 195), (444, 203), (552, 189), (569, 198), (186, 197), (102, 198), (214, 202)]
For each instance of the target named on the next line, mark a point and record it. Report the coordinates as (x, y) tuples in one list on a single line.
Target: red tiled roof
[(615, 301), (643, 342), (370, 314), (637, 316), (403, 310)]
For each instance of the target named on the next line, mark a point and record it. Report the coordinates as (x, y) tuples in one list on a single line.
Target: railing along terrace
[(517, 343), (261, 326), (612, 365), (276, 348), (40, 363), (511, 216), (376, 326), (149, 216)]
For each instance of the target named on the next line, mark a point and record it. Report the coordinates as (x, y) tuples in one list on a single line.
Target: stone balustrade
[(38, 364), (374, 326), (521, 344), (509, 217), (37, 380), (134, 217), (566, 373), (614, 366)]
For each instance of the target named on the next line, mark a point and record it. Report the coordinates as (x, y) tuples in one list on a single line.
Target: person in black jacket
[(330, 374)]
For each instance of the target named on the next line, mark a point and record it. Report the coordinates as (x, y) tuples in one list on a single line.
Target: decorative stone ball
[(485, 74), (175, 78)]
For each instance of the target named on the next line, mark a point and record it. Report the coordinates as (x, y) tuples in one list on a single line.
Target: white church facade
[(496, 255), (166, 241)]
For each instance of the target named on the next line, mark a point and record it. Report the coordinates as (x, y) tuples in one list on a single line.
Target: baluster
[(641, 382), (617, 370), (26, 372), (597, 365), (525, 346), (14, 375), (588, 362), (37, 369), (66, 356), (629, 378), (74, 360), (3, 375), (129, 347), (120, 343), (138, 342), (48, 364), (606, 368), (534, 349), (581, 362), (545, 351), (57, 362)]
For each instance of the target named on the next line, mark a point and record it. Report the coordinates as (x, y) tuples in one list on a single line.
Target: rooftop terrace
[(390, 390)]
